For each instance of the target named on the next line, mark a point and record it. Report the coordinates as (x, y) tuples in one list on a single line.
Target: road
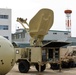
[(48, 71)]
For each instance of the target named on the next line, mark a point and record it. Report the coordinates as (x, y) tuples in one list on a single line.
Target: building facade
[(21, 36), (5, 23)]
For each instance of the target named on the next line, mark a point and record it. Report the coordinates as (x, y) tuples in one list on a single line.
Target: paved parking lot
[(33, 71)]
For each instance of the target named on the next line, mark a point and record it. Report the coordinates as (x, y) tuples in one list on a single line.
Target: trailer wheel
[(43, 67), (23, 66)]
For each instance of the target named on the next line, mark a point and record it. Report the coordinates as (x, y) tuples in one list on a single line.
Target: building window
[(14, 36), (3, 27), (3, 16), (19, 35), (54, 33), (6, 37), (66, 33), (23, 35)]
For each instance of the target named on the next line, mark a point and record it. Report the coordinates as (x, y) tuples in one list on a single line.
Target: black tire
[(71, 64), (43, 67), (54, 66), (65, 64), (23, 66)]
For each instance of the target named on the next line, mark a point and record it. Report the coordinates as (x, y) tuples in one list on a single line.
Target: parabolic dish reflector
[(41, 23)]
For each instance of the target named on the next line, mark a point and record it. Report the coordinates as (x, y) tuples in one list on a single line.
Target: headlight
[(17, 51)]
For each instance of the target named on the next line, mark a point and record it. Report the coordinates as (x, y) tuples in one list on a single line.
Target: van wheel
[(23, 66), (43, 67)]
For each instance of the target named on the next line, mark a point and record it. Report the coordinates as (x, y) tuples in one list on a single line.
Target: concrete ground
[(48, 71)]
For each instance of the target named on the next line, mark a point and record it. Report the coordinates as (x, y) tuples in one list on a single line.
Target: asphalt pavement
[(48, 71)]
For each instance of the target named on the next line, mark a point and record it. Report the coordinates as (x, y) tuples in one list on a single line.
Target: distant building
[(5, 23), (22, 37)]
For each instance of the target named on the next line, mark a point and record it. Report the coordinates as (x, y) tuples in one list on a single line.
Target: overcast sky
[(28, 8)]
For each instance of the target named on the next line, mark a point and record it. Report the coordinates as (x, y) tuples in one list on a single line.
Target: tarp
[(56, 44)]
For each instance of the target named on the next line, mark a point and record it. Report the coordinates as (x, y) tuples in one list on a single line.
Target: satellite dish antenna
[(38, 26)]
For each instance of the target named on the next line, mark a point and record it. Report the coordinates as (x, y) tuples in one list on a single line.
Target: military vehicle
[(68, 56), (7, 56), (38, 54)]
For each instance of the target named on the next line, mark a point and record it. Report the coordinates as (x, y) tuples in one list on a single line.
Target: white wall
[(59, 36), (6, 22)]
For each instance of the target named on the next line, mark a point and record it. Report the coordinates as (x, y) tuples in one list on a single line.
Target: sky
[(28, 8)]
